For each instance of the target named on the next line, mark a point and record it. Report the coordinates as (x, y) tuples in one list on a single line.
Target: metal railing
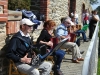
[(91, 58)]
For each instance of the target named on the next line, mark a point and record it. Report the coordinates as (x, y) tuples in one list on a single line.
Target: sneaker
[(59, 72), (86, 40)]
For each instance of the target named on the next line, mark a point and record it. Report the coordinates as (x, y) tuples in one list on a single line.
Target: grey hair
[(66, 19)]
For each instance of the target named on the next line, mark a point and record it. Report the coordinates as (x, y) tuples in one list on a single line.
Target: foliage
[(19, 4), (98, 9), (98, 69), (93, 2)]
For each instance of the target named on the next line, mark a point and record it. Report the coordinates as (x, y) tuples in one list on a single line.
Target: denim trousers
[(59, 56), (81, 32)]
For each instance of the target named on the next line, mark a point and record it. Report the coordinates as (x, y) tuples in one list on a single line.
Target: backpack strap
[(24, 41)]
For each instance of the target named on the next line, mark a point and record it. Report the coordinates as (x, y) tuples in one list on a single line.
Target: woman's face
[(51, 27), (95, 12)]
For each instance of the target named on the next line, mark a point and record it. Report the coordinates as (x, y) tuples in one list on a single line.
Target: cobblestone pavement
[(69, 68)]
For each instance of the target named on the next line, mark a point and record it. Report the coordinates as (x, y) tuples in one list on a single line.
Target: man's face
[(67, 23), (28, 28)]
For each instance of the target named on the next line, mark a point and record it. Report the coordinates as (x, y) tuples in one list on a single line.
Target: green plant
[(98, 70)]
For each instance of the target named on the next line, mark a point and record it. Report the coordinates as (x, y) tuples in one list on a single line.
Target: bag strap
[(24, 41)]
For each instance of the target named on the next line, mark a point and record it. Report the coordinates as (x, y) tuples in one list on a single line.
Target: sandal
[(80, 59), (75, 61)]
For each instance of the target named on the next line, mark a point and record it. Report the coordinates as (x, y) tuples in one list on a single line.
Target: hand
[(25, 59), (68, 36), (50, 43), (47, 50)]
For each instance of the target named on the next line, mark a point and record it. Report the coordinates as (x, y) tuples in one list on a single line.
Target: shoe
[(81, 52), (80, 59), (59, 72), (86, 40), (75, 61)]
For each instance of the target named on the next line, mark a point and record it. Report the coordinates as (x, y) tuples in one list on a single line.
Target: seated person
[(79, 31), (62, 33), (18, 52), (45, 38)]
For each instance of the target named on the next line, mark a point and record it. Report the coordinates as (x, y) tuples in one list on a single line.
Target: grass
[(98, 70)]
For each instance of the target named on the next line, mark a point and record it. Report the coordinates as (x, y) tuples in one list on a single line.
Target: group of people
[(18, 52), (88, 18)]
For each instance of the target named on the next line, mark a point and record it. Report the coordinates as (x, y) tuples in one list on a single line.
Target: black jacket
[(17, 48)]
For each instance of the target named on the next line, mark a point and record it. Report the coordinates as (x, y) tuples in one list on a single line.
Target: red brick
[(3, 3), (3, 15), (2, 19)]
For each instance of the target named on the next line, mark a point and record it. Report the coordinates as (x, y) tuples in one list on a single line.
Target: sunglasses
[(28, 25), (67, 22)]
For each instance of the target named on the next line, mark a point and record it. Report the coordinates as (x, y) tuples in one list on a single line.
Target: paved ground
[(70, 68)]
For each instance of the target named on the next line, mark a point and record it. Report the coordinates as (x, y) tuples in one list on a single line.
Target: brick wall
[(3, 10)]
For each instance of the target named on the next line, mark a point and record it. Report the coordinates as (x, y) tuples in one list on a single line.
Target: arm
[(11, 50), (96, 17), (13, 54), (62, 33), (44, 38)]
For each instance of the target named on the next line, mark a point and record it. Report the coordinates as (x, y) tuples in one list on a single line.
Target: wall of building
[(55, 9)]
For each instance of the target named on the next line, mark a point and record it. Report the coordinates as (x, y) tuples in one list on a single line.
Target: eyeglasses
[(67, 22)]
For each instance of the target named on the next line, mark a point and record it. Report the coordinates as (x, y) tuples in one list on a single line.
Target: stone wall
[(58, 9), (55, 9)]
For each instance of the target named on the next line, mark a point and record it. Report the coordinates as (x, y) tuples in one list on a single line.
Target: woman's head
[(50, 24), (95, 12)]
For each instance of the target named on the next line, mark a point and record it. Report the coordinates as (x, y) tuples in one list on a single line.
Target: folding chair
[(13, 69)]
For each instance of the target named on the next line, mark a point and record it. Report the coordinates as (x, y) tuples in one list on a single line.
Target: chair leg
[(67, 50)]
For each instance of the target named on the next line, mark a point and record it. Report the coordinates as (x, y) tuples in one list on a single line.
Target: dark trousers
[(91, 31), (81, 32), (59, 56)]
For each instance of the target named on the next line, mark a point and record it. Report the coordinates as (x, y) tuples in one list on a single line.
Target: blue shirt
[(61, 30)]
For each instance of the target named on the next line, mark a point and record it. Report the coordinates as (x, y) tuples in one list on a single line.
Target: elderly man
[(18, 51), (62, 33)]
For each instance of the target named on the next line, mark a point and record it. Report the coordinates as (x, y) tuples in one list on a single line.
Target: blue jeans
[(59, 56), (81, 32)]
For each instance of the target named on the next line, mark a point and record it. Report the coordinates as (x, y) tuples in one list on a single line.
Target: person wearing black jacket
[(18, 51), (93, 21)]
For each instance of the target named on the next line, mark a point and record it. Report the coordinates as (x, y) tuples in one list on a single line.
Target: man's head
[(26, 25), (67, 21)]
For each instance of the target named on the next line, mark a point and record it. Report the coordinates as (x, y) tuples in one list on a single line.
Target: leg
[(83, 34), (27, 69), (59, 54), (46, 68), (91, 30), (75, 49)]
